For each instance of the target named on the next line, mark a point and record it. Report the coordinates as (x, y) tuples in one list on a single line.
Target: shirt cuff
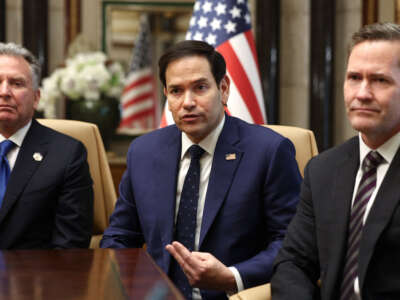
[(238, 279)]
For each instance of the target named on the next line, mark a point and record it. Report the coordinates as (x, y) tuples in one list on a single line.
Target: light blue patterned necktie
[(5, 147)]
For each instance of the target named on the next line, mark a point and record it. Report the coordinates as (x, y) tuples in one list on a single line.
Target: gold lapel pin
[(230, 156), (37, 156)]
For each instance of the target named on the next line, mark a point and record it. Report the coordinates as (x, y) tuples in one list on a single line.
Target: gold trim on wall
[(72, 20), (397, 12), (369, 11)]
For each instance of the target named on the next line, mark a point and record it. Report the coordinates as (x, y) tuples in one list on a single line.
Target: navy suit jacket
[(315, 246), (48, 202), (249, 201)]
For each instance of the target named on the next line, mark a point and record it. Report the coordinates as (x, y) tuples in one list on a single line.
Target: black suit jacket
[(49, 200), (316, 241)]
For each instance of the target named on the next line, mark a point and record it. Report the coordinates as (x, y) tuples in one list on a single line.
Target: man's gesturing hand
[(202, 269)]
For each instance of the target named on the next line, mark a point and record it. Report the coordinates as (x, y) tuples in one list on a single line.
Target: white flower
[(85, 76)]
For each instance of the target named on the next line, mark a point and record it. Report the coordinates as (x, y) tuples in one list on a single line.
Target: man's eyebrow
[(352, 71), (200, 80), (197, 81), (171, 86), (373, 74), (18, 77)]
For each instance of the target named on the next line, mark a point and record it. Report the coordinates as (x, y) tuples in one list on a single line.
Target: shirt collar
[(18, 137), (387, 150), (208, 143)]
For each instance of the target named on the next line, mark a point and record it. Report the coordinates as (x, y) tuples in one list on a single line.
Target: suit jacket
[(49, 199), (315, 245), (249, 201)]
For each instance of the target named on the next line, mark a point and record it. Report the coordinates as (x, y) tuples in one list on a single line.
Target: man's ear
[(224, 88), (166, 97), (37, 98)]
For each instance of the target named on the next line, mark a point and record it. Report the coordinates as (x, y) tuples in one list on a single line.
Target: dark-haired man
[(46, 196), (224, 227), (346, 229)]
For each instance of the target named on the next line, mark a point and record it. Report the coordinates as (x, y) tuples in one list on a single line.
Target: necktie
[(364, 192), (5, 147), (185, 227)]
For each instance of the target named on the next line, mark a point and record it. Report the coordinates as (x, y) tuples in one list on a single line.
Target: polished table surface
[(82, 274)]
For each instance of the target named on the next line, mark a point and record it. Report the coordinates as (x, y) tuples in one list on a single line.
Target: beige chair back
[(302, 139), (103, 187), (306, 147)]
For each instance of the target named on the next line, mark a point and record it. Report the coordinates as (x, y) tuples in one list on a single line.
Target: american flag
[(226, 25), (138, 100)]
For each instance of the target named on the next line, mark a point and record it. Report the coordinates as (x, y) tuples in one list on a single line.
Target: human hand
[(202, 269)]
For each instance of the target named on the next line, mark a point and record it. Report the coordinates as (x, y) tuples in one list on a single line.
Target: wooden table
[(82, 274)]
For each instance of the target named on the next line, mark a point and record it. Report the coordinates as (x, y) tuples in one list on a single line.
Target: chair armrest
[(261, 292)]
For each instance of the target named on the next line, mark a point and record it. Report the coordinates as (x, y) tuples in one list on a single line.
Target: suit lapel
[(166, 166), (338, 212), (343, 188), (380, 214), (222, 173), (25, 166)]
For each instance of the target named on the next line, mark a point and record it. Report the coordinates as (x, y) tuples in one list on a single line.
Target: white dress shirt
[(388, 151), (208, 144), (17, 138)]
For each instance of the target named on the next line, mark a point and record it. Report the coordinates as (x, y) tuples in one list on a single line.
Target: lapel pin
[(37, 156), (230, 156)]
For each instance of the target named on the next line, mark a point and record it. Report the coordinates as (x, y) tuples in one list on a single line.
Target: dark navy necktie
[(365, 189), (5, 147), (185, 227)]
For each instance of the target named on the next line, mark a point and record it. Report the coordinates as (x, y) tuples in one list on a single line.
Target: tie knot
[(5, 147), (372, 160), (196, 151)]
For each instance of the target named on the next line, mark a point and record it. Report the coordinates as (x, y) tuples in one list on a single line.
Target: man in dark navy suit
[(46, 194), (247, 188)]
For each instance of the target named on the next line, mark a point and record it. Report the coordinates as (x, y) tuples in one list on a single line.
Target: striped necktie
[(365, 189)]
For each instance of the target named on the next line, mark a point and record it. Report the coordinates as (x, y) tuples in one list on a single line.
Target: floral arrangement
[(88, 76)]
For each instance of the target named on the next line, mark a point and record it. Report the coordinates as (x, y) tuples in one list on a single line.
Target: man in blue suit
[(248, 186)]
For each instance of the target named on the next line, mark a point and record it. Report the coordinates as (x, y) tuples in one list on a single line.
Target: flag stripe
[(130, 119), (134, 109), (236, 105), (138, 82), (250, 41), (139, 99), (147, 71), (242, 82), (134, 93), (164, 122), (246, 55)]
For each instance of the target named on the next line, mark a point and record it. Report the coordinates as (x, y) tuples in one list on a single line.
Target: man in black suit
[(325, 254), (47, 200)]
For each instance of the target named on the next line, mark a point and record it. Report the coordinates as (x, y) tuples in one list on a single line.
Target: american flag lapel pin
[(230, 156)]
